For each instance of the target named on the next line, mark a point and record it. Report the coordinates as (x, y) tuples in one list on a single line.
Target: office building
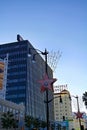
[(23, 76)]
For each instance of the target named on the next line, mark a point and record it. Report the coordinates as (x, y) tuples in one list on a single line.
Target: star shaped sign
[(79, 115), (46, 83)]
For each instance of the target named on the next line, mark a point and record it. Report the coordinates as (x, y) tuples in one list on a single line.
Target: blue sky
[(55, 25)]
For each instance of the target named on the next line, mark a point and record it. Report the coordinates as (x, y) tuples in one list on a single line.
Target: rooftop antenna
[(19, 38)]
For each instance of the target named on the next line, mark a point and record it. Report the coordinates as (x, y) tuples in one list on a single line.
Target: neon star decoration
[(46, 83), (79, 115)]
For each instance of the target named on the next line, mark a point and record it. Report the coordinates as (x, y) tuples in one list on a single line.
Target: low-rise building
[(17, 110)]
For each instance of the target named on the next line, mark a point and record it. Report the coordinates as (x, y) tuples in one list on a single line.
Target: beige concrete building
[(76, 124), (63, 110)]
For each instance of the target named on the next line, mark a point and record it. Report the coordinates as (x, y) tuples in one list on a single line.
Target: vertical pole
[(78, 111), (47, 105)]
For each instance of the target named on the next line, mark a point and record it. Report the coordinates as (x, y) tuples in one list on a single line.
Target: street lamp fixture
[(47, 83), (53, 99)]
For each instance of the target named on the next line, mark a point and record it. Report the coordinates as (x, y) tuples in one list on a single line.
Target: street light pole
[(46, 82), (78, 111), (47, 105)]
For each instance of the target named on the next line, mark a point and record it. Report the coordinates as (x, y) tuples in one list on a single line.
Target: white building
[(17, 110)]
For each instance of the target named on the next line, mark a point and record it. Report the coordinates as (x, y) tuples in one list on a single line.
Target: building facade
[(63, 109), (23, 76), (18, 110)]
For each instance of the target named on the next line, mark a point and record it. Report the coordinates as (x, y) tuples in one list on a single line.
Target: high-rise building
[(23, 76)]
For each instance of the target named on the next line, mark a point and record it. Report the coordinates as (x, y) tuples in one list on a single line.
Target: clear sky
[(54, 25)]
